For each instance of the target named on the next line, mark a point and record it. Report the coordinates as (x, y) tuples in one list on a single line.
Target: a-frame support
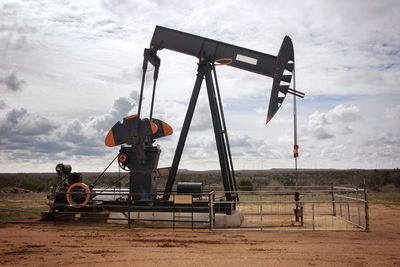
[(221, 137)]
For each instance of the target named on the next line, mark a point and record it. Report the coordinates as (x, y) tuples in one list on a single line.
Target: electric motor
[(62, 168)]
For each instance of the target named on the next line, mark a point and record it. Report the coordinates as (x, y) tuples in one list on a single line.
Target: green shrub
[(396, 178), (245, 184), (289, 182), (31, 183)]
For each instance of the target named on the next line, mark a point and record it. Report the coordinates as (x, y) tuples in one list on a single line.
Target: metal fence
[(112, 206), (316, 209), (271, 208)]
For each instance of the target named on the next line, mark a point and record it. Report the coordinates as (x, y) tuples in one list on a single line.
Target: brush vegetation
[(383, 186), (376, 180)]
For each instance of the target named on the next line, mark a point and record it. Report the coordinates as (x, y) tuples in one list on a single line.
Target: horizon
[(217, 170)]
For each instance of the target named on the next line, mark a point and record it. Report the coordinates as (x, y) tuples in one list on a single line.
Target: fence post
[(333, 201), (173, 215), (261, 213), (358, 208), (209, 209), (313, 222), (366, 208), (192, 214), (348, 211), (211, 199), (129, 211)]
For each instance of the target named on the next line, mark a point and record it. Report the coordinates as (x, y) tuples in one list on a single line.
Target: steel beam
[(184, 132)]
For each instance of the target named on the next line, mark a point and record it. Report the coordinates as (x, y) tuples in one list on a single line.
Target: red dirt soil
[(65, 244)]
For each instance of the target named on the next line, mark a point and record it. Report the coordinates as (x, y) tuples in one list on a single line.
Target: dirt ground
[(65, 244)]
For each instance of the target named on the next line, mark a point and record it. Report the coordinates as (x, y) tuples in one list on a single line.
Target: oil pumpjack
[(136, 135)]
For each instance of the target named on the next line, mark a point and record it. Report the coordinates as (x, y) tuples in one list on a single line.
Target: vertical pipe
[(144, 68), (295, 146), (154, 91), (313, 222)]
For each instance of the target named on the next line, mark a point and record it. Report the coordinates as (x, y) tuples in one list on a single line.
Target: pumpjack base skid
[(198, 206)]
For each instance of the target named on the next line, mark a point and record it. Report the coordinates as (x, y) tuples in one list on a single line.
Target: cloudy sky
[(70, 69)]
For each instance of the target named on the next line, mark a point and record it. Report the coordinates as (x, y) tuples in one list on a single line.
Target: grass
[(373, 198), (28, 206), (15, 207), (384, 198), (288, 197)]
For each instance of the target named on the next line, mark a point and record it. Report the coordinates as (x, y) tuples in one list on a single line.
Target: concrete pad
[(233, 220), (221, 220), (160, 216)]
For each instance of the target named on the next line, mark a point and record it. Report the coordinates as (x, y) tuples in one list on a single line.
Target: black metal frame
[(209, 51), (221, 136)]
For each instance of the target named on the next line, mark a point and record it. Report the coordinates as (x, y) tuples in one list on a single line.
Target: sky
[(69, 70)]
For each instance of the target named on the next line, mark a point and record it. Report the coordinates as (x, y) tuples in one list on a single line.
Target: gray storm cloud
[(21, 123), (34, 134), (12, 82), (15, 115), (120, 109), (27, 134)]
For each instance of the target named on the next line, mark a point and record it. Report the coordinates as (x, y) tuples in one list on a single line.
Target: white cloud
[(383, 149), (343, 113), (325, 125), (392, 113)]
